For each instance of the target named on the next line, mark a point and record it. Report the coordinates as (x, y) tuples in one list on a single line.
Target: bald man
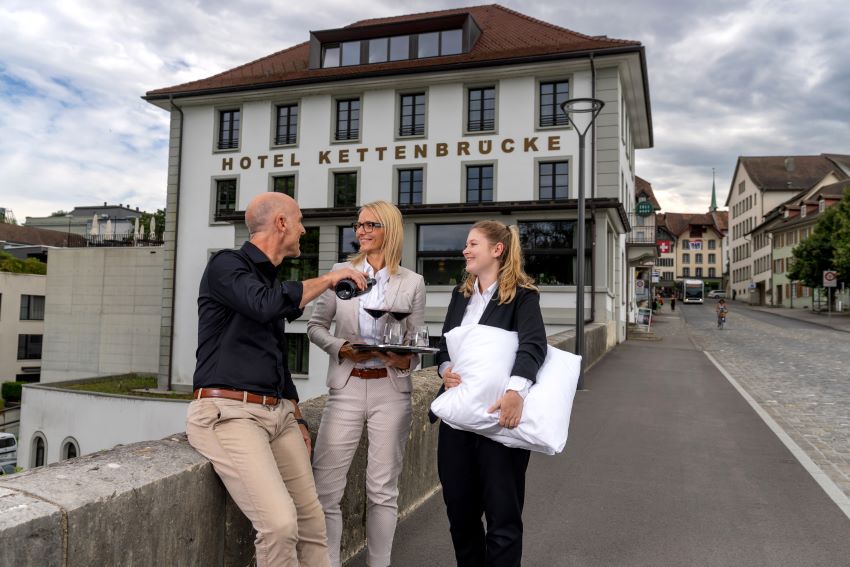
[(245, 417)]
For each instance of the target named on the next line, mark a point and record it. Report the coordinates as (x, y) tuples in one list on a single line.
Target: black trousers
[(482, 477)]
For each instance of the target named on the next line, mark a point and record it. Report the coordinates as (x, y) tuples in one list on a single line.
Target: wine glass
[(399, 315), (376, 313)]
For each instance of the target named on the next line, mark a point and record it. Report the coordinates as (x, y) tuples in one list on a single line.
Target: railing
[(643, 229), (115, 240)]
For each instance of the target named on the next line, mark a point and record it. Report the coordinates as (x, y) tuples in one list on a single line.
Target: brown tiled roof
[(506, 35), (644, 186), (834, 190), (788, 173), (678, 223), (15, 234)]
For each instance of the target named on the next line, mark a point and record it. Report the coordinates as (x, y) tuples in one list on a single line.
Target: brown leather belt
[(367, 373), (238, 395)]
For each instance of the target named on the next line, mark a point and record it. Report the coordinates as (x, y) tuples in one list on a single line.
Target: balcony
[(640, 242)]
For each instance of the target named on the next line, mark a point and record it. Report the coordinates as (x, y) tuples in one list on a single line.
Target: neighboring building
[(454, 116), (695, 247), (111, 219), (642, 242), (785, 227), (22, 298), (759, 185), (27, 242)]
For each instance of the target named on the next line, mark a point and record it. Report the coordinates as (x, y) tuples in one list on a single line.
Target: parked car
[(717, 294), (8, 452)]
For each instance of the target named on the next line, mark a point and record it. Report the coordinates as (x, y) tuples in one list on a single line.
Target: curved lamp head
[(582, 106)]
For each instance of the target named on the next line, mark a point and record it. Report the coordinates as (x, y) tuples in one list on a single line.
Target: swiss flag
[(664, 246)]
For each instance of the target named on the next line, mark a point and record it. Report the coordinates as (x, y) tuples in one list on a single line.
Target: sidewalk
[(836, 321), (667, 465)]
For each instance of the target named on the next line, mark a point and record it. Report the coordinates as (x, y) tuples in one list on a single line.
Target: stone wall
[(160, 503)]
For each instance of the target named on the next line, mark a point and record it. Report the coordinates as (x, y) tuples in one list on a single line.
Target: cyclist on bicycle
[(721, 311)]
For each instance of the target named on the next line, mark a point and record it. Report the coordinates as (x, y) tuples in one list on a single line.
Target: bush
[(11, 391)]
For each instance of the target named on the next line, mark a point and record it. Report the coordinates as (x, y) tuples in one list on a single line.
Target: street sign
[(830, 278), (656, 277)]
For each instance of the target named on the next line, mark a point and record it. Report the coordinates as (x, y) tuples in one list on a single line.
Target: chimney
[(104, 203), (789, 164)]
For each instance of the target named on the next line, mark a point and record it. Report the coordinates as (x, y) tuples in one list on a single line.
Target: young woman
[(479, 475), (367, 387)]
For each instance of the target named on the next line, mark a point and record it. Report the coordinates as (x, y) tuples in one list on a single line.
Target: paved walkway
[(667, 465)]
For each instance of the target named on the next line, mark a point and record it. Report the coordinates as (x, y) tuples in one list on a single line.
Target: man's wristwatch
[(302, 421)]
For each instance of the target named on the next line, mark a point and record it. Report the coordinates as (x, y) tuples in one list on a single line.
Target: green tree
[(9, 263), (60, 213), (159, 215), (841, 237)]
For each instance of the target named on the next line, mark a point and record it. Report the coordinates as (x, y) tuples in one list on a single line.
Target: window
[(70, 449), (410, 186), (429, 44), (481, 109), (451, 42), (821, 206), (348, 119), (698, 258), (287, 124), (552, 94), (668, 276), (345, 189), (39, 449), (411, 120), (32, 308), (29, 347), (712, 258), (698, 272), (549, 249), (378, 50), (803, 211), (741, 187), (330, 56), (686, 272), (225, 196), (686, 244), (228, 129), (439, 252), (348, 243), (712, 245), (298, 353), (399, 48), (686, 258), (284, 184), (552, 180), (479, 183), (712, 272), (351, 53), (306, 265)]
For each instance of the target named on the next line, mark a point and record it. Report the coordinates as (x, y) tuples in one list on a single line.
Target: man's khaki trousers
[(260, 456)]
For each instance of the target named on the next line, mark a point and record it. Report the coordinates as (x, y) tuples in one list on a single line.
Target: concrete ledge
[(160, 503)]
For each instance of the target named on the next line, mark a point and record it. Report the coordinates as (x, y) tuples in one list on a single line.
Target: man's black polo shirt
[(241, 307)]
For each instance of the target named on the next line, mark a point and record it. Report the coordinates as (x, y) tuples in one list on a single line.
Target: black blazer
[(521, 315)]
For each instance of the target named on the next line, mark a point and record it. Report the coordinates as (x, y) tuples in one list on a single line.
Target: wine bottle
[(346, 289)]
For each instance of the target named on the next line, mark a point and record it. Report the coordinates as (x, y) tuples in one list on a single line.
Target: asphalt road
[(667, 465)]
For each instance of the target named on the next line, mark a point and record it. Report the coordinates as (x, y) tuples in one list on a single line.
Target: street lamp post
[(574, 108)]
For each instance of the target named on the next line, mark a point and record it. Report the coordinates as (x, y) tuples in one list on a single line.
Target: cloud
[(727, 78)]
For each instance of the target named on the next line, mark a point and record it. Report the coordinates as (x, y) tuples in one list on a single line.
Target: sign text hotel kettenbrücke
[(397, 152)]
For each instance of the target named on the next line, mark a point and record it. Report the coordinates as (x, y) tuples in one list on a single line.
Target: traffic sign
[(830, 278)]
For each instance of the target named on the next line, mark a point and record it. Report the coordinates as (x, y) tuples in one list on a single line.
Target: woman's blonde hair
[(390, 218), (511, 273)]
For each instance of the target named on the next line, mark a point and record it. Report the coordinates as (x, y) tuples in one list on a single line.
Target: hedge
[(11, 391)]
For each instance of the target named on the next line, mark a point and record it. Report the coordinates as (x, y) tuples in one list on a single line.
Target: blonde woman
[(368, 388), (481, 476)]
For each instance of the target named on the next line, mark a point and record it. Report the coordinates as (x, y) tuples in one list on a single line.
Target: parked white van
[(8, 453)]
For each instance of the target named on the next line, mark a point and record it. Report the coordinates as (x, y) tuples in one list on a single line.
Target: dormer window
[(821, 205), (803, 210)]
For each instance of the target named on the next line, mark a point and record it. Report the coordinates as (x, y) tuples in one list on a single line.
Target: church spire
[(713, 206)]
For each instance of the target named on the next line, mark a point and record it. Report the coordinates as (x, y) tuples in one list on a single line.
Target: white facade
[(16, 322), (90, 421), (104, 312)]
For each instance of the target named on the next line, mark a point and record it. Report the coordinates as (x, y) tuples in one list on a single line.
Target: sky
[(727, 78)]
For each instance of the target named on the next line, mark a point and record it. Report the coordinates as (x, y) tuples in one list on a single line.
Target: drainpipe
[(176, 240)]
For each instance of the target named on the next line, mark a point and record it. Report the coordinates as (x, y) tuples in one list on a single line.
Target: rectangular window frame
[(342, 255), (277, 174), (275, 125), (538, 162), (217, 133), (467, 131), (398, 114), (448, 255), (214, 180), (335, 132), (30, 346), (561, 122), (464, 196), (398, 172), (308, 258), (32, 307), (332, 173), (559, 253), (300, 344)]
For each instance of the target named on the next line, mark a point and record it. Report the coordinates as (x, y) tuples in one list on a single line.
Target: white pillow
[(484, 357)]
